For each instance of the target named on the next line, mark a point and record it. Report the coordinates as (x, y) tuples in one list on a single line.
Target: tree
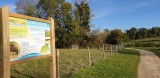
[(27, 7), (141, 33), (131, 33), (47, 8), (67, 19), (82, 12), (154, 32), (116, 37), (71, 25)]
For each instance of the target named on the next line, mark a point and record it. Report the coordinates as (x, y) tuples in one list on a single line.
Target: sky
[(117, 14)]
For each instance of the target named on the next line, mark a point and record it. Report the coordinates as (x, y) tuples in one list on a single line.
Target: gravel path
[(149, 66)]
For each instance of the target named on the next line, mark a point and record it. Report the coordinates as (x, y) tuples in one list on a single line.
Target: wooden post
[(111, 50), (116, 49), (103, 52), (58, 74), (4, 43), (89, 57), (53, 57)]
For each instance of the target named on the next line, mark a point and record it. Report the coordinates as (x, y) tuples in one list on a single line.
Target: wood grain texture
[(1, 45), (53, 52), (58, 70), (27, 17), (30, 59), (1, 66), (4, 42)]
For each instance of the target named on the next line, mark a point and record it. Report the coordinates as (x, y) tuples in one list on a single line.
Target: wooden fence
[(106, 48)]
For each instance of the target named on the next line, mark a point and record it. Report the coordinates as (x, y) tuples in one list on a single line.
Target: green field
[(70, 61), (74, 63), (123, 65), (148, 42)]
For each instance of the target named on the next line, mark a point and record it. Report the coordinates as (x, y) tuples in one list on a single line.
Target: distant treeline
[(142, 33)]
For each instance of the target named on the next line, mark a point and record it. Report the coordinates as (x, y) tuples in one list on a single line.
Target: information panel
[(28, 38)]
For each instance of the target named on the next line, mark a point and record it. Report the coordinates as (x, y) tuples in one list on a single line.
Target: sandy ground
[(149, 66)]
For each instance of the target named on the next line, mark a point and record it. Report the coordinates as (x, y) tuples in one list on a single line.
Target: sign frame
[(5, 47)]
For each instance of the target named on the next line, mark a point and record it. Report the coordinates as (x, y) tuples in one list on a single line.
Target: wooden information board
[(24, 38)]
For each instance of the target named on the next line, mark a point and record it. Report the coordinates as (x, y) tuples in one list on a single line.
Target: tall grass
[(124, 65)]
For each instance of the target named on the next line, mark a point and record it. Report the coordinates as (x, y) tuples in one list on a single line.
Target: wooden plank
[(53, 57), (4, 42), (30, 59), (27, 17)]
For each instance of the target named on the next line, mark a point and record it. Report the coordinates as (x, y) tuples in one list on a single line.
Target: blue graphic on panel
[(28, 56)]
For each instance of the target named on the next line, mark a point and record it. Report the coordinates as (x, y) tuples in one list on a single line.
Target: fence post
[(116, 49), (111, 50), (89, 57), (58, 74), (103, 52), (120, 48)]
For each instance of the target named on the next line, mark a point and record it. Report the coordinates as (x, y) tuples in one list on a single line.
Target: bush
[(142, 44), (149, 44)]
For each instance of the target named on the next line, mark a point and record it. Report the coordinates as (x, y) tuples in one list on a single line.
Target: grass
[(74, 64), (122, 65), (70, 61), (74, 60), (148, 42), (155, 50)]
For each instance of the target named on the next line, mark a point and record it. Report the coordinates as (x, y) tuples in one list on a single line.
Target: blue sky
[(121, 14)]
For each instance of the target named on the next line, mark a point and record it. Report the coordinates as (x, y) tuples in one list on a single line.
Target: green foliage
[(47, 8), (97, 38), (131, 33), (142, 33), (83, 15), (149, 42), (116, 37), (155, 50), (26, 7), (124, 65), (71, 25)]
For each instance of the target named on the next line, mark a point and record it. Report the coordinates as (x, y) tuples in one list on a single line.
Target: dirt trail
[(149, 66)]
